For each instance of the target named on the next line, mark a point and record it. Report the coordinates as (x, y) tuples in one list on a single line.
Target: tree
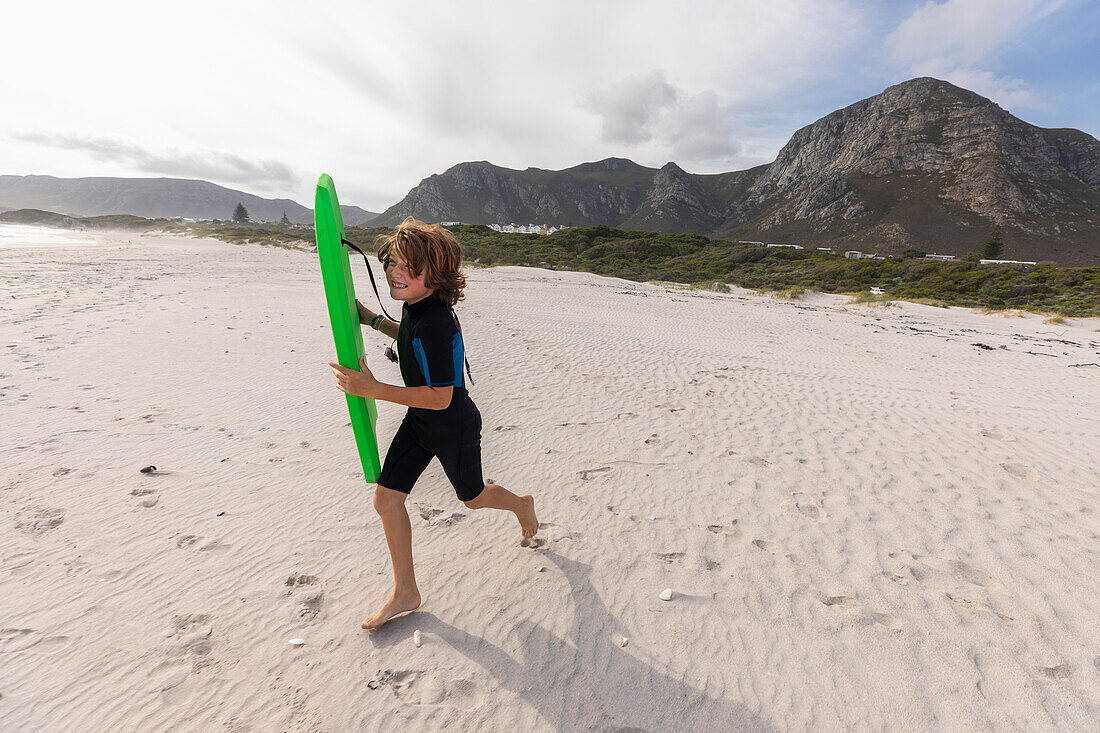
[(285, 222), (994, 247), (240, 214)]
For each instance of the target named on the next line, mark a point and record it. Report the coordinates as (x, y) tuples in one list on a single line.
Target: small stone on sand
[(624, 641), (297, 642), (417, 641), (666, 594)]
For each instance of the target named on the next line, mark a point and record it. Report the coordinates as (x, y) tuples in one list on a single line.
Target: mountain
[(924, 165), (154, 198)]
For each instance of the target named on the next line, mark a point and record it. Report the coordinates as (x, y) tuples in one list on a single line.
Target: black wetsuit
[(430, 352)]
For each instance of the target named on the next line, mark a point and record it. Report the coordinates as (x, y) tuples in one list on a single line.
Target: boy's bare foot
[(392, 607), (528, 522)]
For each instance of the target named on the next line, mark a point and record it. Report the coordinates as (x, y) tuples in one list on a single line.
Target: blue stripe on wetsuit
[(422, 361), (458, 352)]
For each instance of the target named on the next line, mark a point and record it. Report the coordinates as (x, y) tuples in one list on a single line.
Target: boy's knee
[(387, 500), (478, 502)]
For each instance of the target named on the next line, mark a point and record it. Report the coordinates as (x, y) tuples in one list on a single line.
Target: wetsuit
[(431, 353)]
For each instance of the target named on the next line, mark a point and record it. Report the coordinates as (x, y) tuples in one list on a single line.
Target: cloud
[(629, 108), (646, 110), (698, 129), (208, 165), (956, 40), (966, 31)]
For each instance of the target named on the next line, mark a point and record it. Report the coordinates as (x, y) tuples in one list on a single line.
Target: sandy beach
[(868, 520)]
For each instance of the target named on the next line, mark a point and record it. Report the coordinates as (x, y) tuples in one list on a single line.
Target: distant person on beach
[(422, 264)]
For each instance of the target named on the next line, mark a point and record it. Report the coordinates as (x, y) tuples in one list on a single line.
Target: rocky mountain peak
[(922, 164)]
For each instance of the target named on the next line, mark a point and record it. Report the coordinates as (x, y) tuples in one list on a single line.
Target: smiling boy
[(423, 268)]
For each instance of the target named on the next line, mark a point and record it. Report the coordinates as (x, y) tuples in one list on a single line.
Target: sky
[(265, 96)]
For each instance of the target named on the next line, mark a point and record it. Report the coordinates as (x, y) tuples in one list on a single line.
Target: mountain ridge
[(153, 198), (924, 164)]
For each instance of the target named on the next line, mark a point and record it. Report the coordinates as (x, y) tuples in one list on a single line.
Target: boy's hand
[(365, 314), (361, 383)]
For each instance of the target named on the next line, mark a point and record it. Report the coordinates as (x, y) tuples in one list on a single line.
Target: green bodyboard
[(342, 313)]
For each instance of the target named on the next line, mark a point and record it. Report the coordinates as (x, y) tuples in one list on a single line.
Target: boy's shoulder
[(436, 316)]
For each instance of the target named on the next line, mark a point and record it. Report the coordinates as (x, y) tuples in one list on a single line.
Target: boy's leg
[(498, 497), (390, 506)]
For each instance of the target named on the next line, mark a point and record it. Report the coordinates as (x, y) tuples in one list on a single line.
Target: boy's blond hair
[(429, 249)]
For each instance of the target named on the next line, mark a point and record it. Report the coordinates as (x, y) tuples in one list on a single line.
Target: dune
[(868, 519)]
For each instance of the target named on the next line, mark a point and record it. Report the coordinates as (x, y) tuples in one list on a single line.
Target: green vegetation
[(111, 221), (869, 298), (994, 246), (700, 262), (240, 214), (793, 293), (694, 259), (272, 235)]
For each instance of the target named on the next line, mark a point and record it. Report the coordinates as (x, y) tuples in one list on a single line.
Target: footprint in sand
[(146, 497), (997, 434), (41, 521), (891, 621), (311, 599), (978, 606), (1020, 470), (20, 563), (760, 462), (18, 640), (62, 472), (200, 544), (975, 576), (767, 546), (809, 506), (192, 635), (577, 498), (534, 542), (417, 687), (1065, 675), (613, 509), (586, 475), (895, 577), (172, 683), (653, 440), (838, 601), (433, 517)]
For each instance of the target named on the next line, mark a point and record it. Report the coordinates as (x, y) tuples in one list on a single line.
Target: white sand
[(868, 523)]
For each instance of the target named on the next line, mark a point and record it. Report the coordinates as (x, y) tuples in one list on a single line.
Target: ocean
[(21, 235)]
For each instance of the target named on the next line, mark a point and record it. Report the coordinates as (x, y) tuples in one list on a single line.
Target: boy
[(422, 264)]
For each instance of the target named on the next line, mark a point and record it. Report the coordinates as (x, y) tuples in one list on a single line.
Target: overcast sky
[(264, 96)]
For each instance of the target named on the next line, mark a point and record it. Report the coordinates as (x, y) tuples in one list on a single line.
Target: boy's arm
[(431, 398), (385, 325), (363, 384), (388, 327)]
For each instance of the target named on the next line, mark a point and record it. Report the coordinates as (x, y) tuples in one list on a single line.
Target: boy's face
[(404, 285)]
